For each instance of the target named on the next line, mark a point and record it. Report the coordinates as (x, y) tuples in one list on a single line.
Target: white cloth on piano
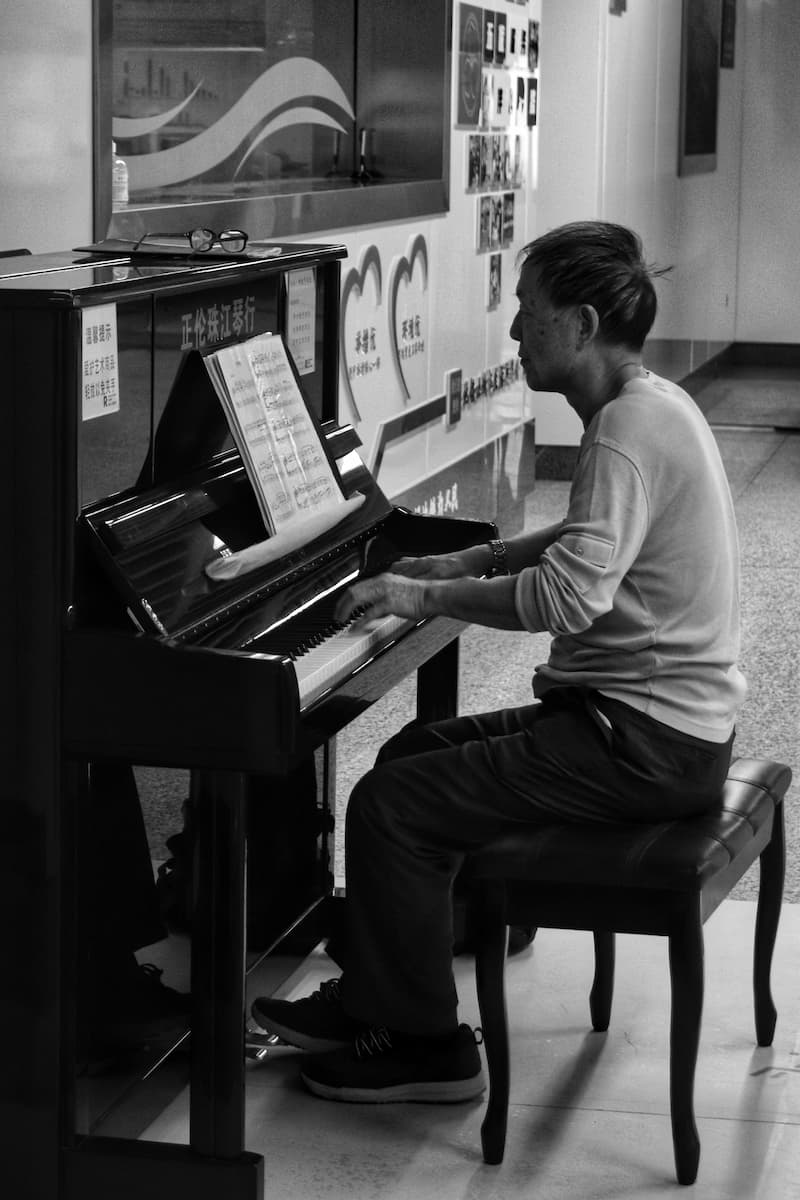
[(298, 532)]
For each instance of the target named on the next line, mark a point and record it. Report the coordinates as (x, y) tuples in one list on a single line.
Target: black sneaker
[(143, 1011), (317, 1022), (380, 1068)]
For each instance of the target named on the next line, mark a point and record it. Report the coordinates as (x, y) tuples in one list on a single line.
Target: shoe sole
[(444, 1091), (300, 1041)]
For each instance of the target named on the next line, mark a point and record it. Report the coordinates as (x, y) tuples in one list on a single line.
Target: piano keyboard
[(323, 666)]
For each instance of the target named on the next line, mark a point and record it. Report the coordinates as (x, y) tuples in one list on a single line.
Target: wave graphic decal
[(292, 116), (132, 127), (293, 79)]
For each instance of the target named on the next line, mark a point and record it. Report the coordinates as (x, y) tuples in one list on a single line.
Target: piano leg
[(437, 685), (214, 1163), (218, 965)]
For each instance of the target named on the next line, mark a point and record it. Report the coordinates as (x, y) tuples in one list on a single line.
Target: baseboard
[(763, 354), (556, 462)]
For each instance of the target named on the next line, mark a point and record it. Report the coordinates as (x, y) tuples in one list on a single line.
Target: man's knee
[(413, 738), (365, 800)]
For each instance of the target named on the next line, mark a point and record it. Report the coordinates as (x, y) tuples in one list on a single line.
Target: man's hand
[(381, 596), (473, 561)]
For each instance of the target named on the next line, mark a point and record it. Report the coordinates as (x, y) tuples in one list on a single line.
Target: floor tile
[(589, 1113)]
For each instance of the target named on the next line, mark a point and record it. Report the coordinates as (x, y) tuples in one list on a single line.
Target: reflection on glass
[(215, 98)]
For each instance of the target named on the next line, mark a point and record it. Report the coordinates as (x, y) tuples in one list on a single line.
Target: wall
[(46, 119), (609, 147), (768, 305)]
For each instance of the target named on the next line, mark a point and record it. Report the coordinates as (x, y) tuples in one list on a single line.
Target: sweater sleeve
[(576, 579)]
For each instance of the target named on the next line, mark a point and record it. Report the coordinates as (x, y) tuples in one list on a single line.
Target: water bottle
[(119, 179)]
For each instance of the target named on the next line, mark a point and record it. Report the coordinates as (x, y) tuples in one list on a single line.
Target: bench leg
[(686, 973), (491, 937), (772, 866), (603, 985)]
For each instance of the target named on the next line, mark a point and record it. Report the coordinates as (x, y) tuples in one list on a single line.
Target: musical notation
[(271, 424)]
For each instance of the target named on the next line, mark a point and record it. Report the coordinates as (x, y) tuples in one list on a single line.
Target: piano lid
[(155, 545)]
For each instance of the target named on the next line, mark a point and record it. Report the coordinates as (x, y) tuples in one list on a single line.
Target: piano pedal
[(257, 1044)]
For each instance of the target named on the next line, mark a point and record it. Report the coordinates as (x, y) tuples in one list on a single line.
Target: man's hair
[(602, 264)]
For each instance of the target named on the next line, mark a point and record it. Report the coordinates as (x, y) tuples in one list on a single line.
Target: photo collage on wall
[(498, 57)]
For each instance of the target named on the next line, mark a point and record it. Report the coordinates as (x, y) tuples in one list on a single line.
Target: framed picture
[(470, 57), (495, 282), (488, 36), (700, 57), (727, 56), (474, 162), (533, 100), (508, 218), (453, 392), (500, 43), (484, 223), (533, 45)]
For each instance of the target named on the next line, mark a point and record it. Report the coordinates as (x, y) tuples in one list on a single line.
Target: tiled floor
[(589, 1117)]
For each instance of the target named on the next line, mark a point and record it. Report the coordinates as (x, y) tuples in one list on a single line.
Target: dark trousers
[(438, 791)]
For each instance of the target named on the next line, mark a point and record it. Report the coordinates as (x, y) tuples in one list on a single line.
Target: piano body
[(117, 647)]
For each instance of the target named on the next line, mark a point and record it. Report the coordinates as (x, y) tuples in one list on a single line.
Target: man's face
[(545, 334)]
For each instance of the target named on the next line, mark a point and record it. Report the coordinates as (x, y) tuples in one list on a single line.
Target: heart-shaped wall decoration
[(354, 287), (408, 292)]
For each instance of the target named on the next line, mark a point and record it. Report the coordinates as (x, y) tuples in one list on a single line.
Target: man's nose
[(514, 330)]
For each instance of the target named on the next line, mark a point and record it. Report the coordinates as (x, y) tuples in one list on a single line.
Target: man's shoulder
[(646, 403)]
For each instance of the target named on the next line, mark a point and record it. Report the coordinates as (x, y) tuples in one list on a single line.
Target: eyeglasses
[(231, 241)]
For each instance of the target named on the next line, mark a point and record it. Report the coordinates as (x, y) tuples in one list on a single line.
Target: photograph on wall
[(496, 225), (700, 56), (533, 45), (508, 218), (486, 163), (474, 162), (470, 47), (533, 100), (727, 54), (496, 142), (521, 107), (495, 273), (452, 390), (500, 30), (506, 144), (484, 222), (487, 98), (488, 36), (516, 166)]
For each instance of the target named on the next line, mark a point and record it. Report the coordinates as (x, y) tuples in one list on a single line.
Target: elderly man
[(634, 709)]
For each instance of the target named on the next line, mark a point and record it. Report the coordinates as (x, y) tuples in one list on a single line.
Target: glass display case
[(279, 117)]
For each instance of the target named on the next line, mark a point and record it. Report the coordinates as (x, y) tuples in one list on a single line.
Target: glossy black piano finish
[(116, 648)]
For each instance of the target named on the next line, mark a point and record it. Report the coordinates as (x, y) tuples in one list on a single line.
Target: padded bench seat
[(664, 879)]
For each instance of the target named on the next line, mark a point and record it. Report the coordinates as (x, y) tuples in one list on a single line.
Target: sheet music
[(279, 443)]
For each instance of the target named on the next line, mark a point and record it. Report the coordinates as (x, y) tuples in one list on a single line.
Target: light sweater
[(641, 589)]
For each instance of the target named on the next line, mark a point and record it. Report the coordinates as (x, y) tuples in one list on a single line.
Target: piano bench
[(663, 879)]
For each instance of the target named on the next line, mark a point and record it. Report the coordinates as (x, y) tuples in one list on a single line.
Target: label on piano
[(99, 362), (281, 445), (301, 317)]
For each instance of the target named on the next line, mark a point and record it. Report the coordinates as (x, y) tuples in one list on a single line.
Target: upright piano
[(121, 485)]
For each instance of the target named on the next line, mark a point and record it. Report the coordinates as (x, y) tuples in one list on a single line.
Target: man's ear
[(587, 325)]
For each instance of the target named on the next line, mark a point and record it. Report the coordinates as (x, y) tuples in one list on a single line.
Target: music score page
[(279, 443)]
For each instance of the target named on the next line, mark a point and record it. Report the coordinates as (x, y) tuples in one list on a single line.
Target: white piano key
[(338, 656)]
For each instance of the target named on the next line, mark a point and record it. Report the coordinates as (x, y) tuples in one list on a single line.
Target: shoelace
[(374, 1041), (328, 992), (378, 1040)]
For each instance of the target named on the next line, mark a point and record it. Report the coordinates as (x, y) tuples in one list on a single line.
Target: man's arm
[(480, 601), (522, 551)]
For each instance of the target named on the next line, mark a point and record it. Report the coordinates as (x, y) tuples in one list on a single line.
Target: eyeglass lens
[(232, 241)]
